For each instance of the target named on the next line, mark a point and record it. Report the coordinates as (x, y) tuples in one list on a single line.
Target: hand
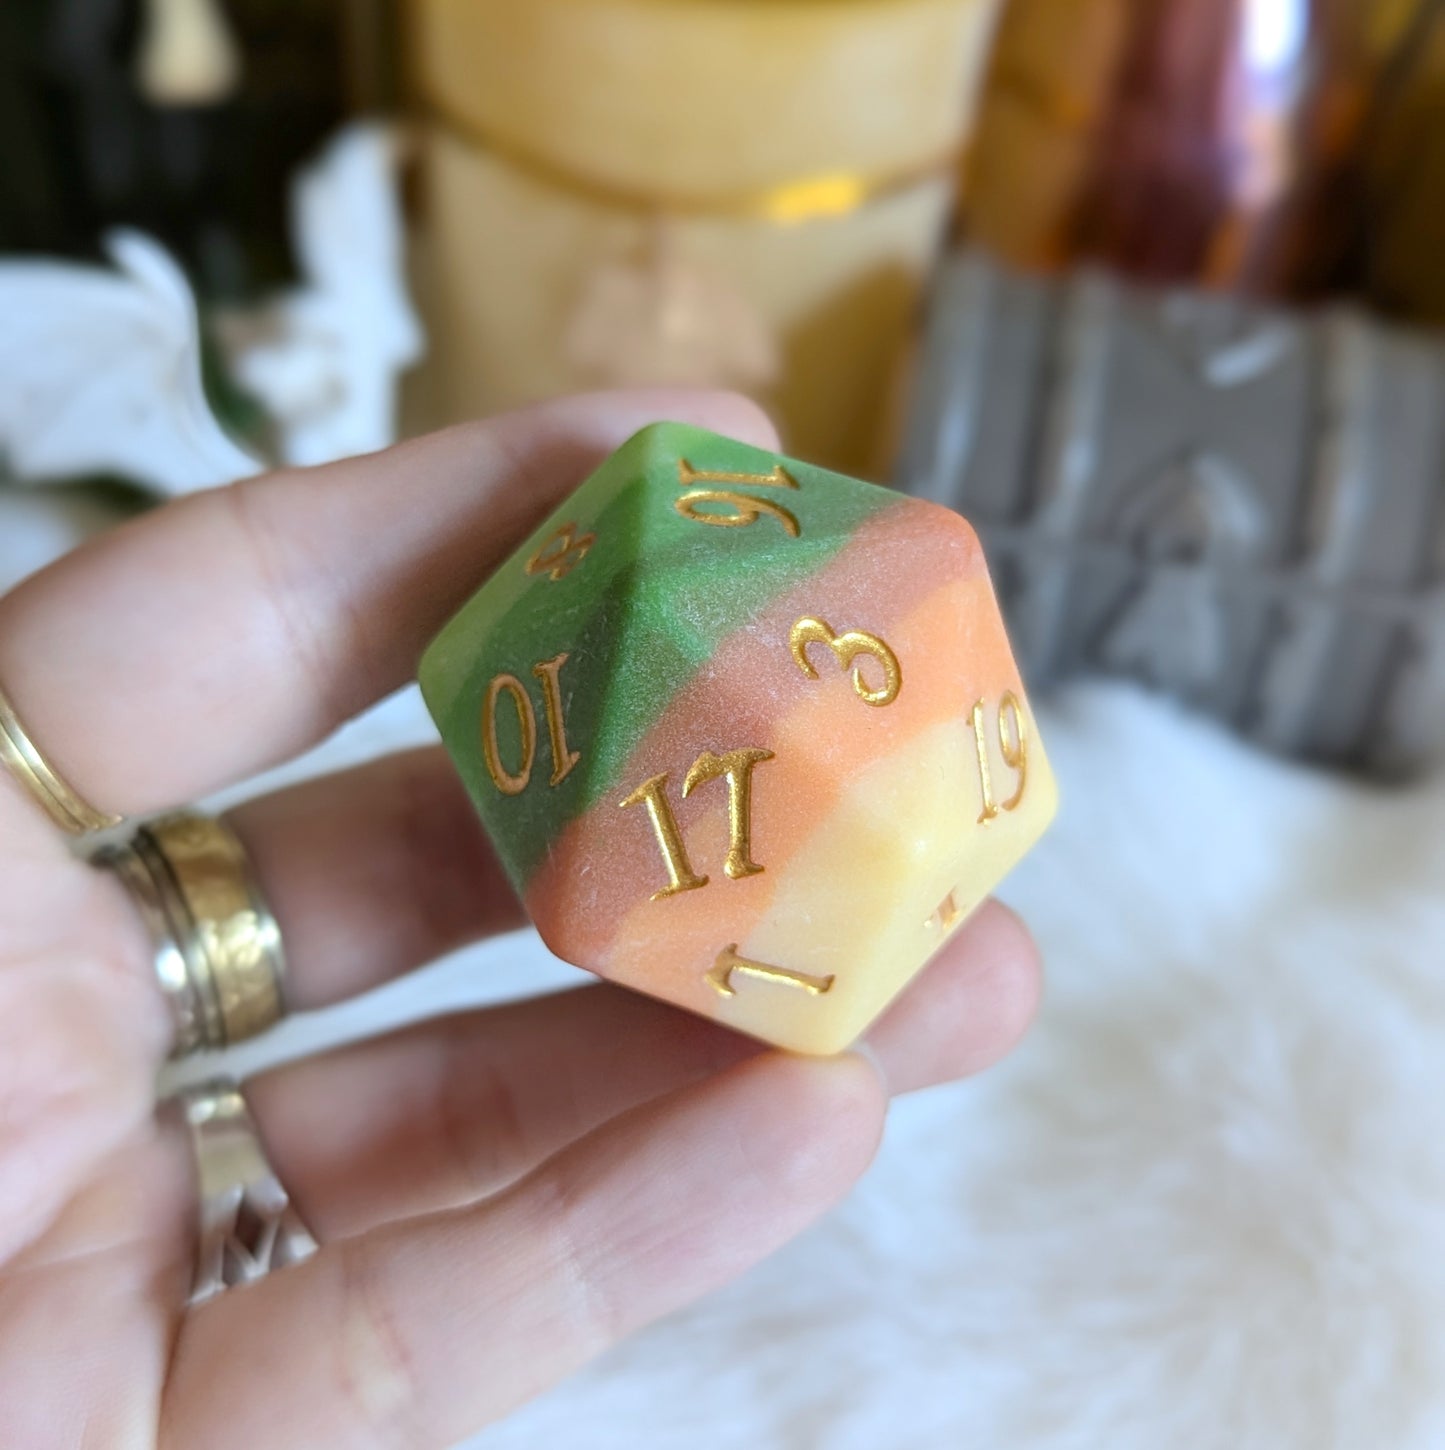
[(498, 1196)]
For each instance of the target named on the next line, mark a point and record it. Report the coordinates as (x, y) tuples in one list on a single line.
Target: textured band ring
[(19, 755), (248, 1226), (218, 951)]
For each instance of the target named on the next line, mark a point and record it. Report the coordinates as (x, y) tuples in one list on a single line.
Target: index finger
[(234, 629)]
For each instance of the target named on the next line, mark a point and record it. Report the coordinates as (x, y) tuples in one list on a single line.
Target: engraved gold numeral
[(502, 778), (729, 964), (653, 794), (847, 648), (563, 758), (561, 552), (736, 767), (687, 475), (1013, 746), (748, 509)]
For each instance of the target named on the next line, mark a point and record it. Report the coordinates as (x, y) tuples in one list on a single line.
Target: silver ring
[(248, 1226)]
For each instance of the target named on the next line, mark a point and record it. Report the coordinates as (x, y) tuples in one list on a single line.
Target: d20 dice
[(747, 735)]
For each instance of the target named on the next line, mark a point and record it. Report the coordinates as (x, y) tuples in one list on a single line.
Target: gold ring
[(218, 952), (30, 768)]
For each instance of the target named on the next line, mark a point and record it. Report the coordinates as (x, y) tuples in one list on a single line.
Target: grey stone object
[(1241, 506)]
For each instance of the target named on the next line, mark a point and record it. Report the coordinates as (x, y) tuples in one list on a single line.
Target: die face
[(632, 594), (802, 753)]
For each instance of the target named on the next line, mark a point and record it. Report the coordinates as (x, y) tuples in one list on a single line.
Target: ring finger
[(372, 872)]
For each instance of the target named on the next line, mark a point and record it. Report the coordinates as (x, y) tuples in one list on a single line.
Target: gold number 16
[(749, 508)]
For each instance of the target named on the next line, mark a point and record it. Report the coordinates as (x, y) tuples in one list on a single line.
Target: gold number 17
[(736, 767)]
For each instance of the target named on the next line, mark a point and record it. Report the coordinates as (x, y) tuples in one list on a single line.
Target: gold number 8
[(562, 552)]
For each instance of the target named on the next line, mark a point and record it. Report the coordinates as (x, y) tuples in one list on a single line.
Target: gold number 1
[(653, 794), (687, 475), (736, 767), (563, 759)]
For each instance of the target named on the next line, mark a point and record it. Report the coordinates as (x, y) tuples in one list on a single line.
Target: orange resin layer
[(915, 578)]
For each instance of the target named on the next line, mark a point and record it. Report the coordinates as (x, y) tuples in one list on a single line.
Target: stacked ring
[(220, 964), (218, 952)]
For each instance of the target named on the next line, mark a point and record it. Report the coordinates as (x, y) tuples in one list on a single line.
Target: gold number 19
[(1013, 745)]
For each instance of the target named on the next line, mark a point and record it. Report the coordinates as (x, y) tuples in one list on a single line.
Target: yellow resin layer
[(866, 918)]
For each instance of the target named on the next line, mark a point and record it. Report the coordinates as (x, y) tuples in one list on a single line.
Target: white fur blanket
[(1202, 1209)]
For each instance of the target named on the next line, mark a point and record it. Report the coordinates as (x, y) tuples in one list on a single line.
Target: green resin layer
[(655, 596)]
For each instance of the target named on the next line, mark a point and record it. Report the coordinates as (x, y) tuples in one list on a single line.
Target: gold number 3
[(848, 648)]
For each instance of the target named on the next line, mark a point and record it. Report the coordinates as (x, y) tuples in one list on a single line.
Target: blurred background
[(1149, 290), (957, 245)]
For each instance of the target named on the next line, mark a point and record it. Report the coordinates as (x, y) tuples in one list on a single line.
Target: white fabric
[(100, 372), (325, 358), (100, 368), (1202, 1209)]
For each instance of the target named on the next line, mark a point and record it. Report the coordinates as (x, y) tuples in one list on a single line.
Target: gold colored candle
[(1167, 138), (700, 191), (1290, 148), (1398, 224)]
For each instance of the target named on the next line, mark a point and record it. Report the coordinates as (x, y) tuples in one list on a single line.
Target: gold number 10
[(563, 759)]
